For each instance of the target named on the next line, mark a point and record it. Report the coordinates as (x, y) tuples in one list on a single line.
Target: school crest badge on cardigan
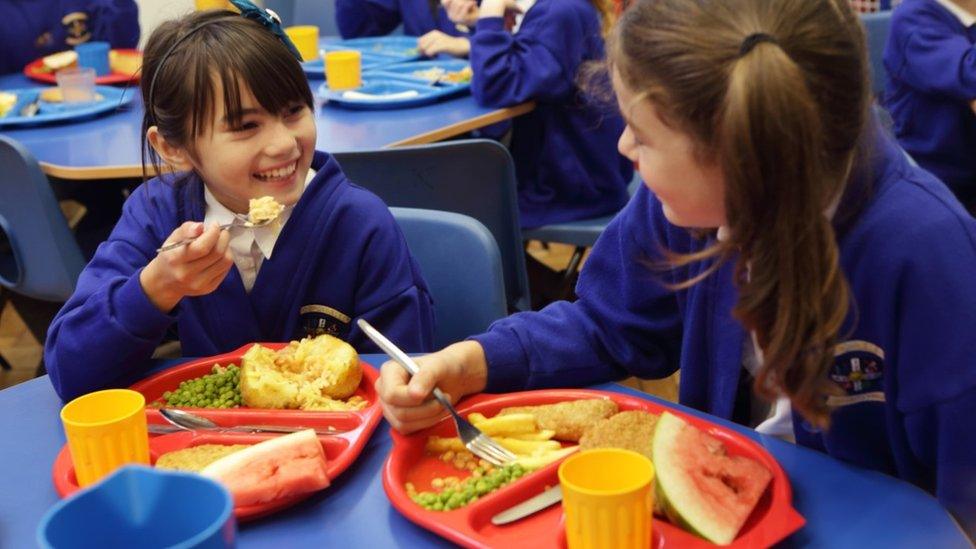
[(858, 369), (320, 319)]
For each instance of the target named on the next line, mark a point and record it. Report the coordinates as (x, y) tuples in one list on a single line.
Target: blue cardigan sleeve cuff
[(488, 24), (507, 365), (133, 310)]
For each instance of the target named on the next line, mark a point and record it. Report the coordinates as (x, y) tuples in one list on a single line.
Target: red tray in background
[(770, 522), (34, 71), (353, 429)]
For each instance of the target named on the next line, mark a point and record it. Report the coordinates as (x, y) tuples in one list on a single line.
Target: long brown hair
[(784, 120), (225, 46)]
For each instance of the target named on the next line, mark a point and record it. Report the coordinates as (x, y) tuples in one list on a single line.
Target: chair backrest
[(320, 13), (471, 177), (877, 26), (462, 266), (44, 259)]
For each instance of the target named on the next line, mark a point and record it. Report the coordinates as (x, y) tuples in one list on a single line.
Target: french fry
[(527, 447), (475, 417), (505, 425), (541, 460), (439, 445), (546, 434)]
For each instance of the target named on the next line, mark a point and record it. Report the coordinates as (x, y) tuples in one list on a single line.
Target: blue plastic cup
[(94, 55), (138, 506)]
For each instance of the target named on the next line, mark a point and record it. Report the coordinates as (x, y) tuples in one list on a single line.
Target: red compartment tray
[(353, 429), (773, 519), (35, 70)]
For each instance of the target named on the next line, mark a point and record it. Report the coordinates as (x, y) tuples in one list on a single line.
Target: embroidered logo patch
[(320, 319), (76, 28), (858, 369)]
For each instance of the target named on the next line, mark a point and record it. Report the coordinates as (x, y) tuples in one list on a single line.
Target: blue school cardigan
[(339, 257), (357, 18), (30, 29), (906, 365), (565, 151), (931, 62)]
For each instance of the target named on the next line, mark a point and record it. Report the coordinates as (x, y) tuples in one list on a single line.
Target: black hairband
[(753, 39)]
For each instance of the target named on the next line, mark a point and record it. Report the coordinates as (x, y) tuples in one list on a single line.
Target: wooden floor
[(23, 352)]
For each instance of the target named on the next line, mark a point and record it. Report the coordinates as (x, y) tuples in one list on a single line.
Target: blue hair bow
[(269, 20)]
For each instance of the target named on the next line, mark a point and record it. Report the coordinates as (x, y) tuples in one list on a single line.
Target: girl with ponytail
[(805, 277)]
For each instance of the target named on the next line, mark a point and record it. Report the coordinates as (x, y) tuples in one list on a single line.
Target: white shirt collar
[(967, 19)]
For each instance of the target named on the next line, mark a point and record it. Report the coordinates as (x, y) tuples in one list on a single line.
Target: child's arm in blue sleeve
[(109, 327), (356, 18), (938, 61), (115, 22), (539, 62), (625, 322), (391, 294)]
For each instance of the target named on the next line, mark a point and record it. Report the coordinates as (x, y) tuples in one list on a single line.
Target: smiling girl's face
[(692, 193), (263, 154)]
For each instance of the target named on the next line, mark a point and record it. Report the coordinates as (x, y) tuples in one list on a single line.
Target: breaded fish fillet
[(568, 419), (633, 430)]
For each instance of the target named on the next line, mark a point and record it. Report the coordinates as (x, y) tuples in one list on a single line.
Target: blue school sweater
[(905, 365), (357, 18), (339, 257), (565, 151), (30, 29), (931, 64)]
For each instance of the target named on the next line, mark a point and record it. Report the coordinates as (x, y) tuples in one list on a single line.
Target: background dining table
[(108, 146), (844, 506)]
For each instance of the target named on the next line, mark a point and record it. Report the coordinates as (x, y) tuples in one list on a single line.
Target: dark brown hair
[(784, 122), (222, 47)]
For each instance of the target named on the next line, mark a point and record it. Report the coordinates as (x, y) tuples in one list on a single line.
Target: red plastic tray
[(34, 71), (773, 519), (353, 429)]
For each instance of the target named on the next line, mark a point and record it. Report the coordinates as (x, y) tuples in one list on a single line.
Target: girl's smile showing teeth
[(277, 173)]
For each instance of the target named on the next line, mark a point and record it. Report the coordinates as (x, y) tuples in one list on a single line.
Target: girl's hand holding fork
[(191, 270)]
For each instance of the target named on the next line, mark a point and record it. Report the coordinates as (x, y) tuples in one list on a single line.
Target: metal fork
[(240, 220), (474, 440)]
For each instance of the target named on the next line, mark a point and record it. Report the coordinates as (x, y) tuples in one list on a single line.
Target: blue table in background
[(844, 506), (107, 147)]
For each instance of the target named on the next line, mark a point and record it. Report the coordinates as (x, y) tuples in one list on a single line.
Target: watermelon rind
[(673, 486)]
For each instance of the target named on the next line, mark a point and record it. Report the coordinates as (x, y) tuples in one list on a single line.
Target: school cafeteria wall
[(154, 12)]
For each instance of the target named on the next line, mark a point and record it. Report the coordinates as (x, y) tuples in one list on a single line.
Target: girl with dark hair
[(779, 243), (230, 114)]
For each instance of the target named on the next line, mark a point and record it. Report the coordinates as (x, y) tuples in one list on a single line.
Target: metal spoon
[(240, 220), (191, 422)]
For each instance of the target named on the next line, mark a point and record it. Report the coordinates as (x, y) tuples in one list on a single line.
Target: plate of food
[(369, 61), (318, 385), (383, 91), (444, 72), (732, 490), (126, 66), (33, 106), (399, 48)]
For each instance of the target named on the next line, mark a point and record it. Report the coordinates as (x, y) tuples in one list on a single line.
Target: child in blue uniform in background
[(228, 106), (426, 19), (565, 159), (931, 90), (32, 29), (780, 242)]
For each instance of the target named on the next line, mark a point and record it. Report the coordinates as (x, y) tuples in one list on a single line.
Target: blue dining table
[(108, 146), (844, 506)]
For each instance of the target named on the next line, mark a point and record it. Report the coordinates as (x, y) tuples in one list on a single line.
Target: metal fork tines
[(473, 439)]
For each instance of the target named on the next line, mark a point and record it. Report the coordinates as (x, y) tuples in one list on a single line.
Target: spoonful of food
[(189, 421)]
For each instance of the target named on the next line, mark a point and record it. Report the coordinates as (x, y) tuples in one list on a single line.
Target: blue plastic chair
[(470, 177), (320, 13), (877, 27), (462, 266)]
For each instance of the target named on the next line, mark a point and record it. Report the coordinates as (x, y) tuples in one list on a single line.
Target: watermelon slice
[(276, 468), (700, 487)]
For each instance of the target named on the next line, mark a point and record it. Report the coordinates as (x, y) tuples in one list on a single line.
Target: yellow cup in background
[(306, 39), (343, 69), (608, 499), (105, 430), (211, 5)]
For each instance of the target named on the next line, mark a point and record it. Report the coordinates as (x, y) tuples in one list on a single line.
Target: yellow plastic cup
[(608, 499), (105, 430), (211, 4), (306, 39), (343, 69)]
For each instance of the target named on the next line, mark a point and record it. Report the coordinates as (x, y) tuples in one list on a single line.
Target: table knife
[(529, 506)]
